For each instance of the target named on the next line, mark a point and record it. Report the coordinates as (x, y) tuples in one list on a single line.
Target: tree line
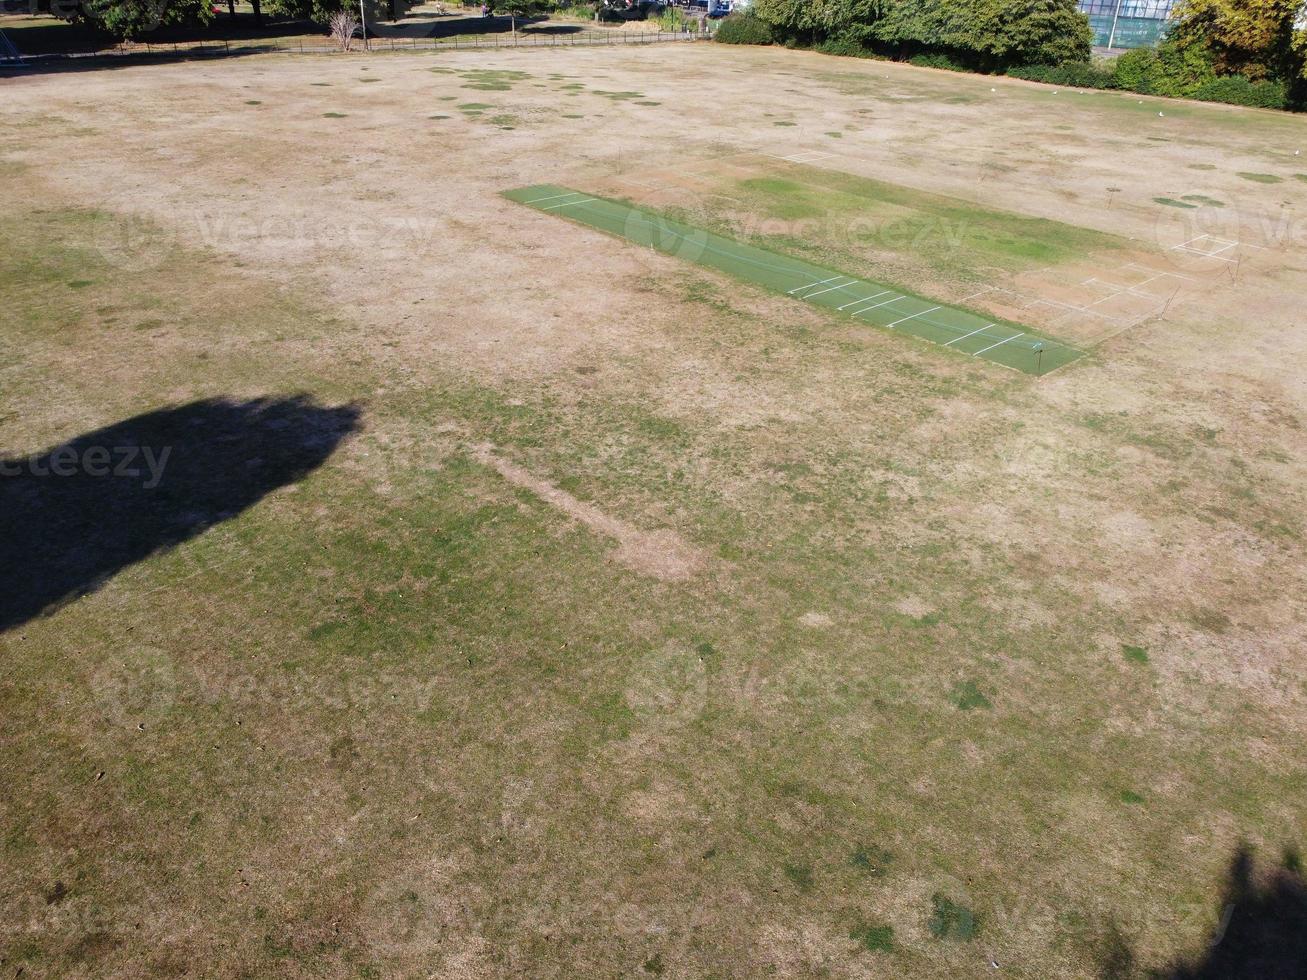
[(1251, 52)]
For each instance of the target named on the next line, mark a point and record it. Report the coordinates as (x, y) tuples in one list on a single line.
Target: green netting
[(868, 302)]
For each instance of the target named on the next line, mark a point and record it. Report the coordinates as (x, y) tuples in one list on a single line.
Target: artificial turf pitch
[(868, 302)]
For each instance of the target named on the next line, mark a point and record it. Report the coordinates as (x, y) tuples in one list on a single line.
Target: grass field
[(499, 597)]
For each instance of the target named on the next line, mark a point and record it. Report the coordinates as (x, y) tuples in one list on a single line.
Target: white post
[(1111, 37), (363, 17)]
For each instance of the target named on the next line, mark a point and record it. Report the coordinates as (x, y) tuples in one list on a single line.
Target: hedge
[(744, 29)]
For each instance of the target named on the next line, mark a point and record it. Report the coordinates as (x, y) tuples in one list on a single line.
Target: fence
[(205, 49)]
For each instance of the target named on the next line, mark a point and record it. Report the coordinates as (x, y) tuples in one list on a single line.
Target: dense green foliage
[(744, 29), (1175, 69), (990, 34), (983, 34), (131, 18), (1244, 52)]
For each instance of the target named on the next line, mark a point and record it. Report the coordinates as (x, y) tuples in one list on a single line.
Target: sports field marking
[(913, 316), (568, 204), (876, 306), (864, 299), (958, 329), (972, 334), (999, 344), (813, 285), (554, 197), (830, 289)]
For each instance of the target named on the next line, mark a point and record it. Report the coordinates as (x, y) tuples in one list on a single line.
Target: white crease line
[(829, 289), (810, 285), (999, 344), (865, 299), (914, 316), (972, 334), (568, 204), (876, 305), (554, 197)]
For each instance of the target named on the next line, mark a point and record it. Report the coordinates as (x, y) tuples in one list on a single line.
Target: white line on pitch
[(999, 344), (875, 305), (568, 204), (811, 284), (915, 315), (830, 289), (865, 299), (972, 334), (554, 197)]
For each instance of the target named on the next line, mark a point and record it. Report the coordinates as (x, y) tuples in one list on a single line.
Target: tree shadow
[(1261, 930), (73, 517)]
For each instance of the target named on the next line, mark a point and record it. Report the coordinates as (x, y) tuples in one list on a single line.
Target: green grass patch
[(1134, 654), (475, 106), (871, 860), (1131, 797), (1171, 202), (840, 219), (619, 96), (1260, 178), (951, 920), (1211, 202), (966, 696), (800, 875), (333, 115), (873, 938)]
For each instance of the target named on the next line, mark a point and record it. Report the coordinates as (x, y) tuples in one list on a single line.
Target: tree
[(1255, 38), (818, 20), (994, 34), (518, 9), (127, 19)]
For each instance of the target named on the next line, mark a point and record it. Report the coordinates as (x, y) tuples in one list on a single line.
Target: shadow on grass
[(1261, 930), (73, 517)]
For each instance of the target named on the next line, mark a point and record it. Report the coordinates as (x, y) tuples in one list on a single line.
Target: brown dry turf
[(645, 623)]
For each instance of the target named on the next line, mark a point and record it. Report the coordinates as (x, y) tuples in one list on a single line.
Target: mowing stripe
[(948, 326)]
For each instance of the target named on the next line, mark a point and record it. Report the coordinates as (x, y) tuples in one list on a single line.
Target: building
[(1127, 23)]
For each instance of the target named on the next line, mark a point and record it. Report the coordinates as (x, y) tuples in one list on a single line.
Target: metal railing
[(220, 48)]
